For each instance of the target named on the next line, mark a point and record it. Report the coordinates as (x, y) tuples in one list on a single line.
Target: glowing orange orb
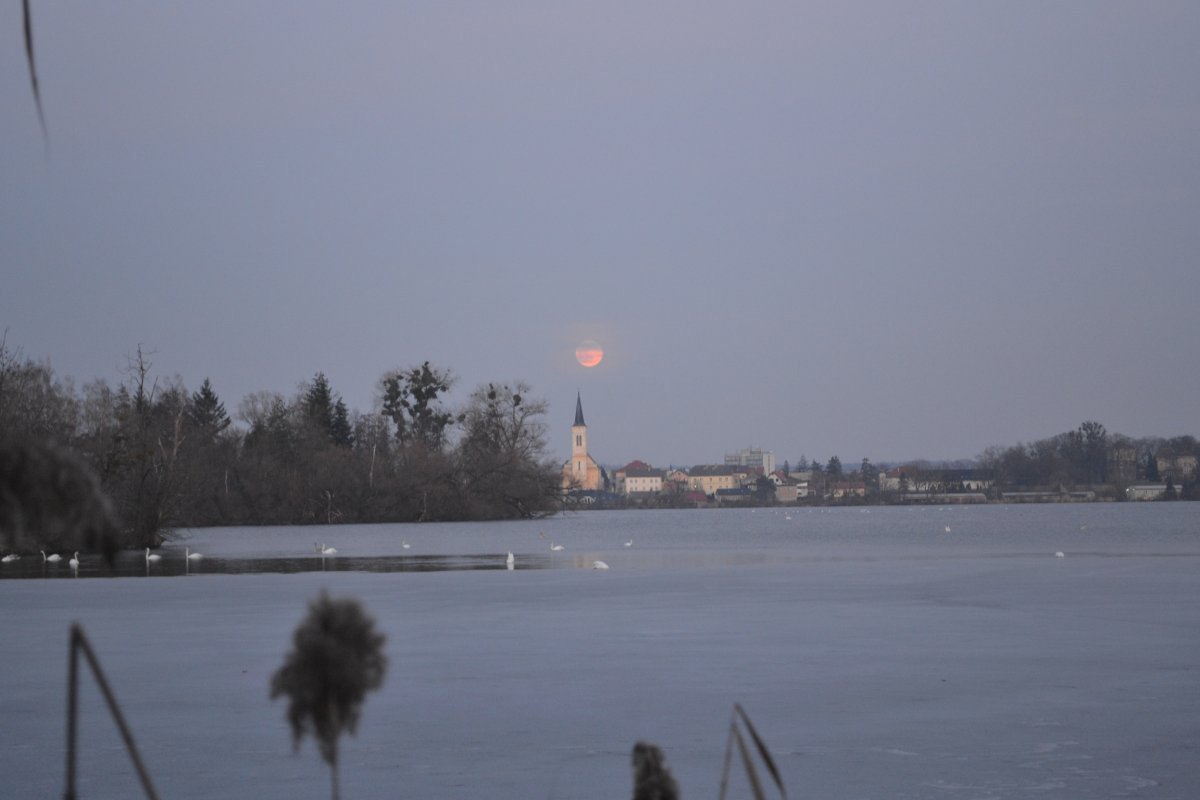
[(589, 353)]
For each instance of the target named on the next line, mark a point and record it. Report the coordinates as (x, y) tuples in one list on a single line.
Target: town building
[(1146, 491), (752, 457), (643, 481), (708, 478), (1177, 467)]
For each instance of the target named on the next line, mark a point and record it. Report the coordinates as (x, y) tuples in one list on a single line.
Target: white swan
[(1060, 554), (629, 543), (53, 557), (74, 562), (947, 529), (599, 565), (328, 551), (152, 557), (511, 559), (9, 558), (556, 547), (188, 554), (405, 544)]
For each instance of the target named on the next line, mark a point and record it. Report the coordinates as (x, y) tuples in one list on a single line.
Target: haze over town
[(873, 230)]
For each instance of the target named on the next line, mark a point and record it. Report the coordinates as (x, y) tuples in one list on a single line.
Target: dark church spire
[(579, 410)]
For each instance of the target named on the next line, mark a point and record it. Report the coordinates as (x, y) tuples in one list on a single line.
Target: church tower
[(582, 471), (579, 436)]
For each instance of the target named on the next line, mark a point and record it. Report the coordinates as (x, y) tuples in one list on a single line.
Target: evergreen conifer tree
[(340, 431), (207, 411)]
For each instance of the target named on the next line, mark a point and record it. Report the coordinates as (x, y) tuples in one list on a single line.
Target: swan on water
[(328, 551), (405, 544), (1060, 554), (599, 565), (51, 557), (9, 558), (187, 553), (629, 543), (556, 547), (510, 560), (74, 562), (947, 529), (152, 556)]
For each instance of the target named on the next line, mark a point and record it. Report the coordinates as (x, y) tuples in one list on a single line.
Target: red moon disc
[(589, 353)]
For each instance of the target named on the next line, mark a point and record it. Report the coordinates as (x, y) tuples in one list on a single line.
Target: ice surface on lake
[(879, 656)]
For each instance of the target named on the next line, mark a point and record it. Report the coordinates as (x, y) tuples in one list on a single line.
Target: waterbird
[(947, 529), (556, 547), (405, 544), (510, 560), (599, 565), (51, 557), (187, 553), (152, 557), (9, 558), (1060, 554), (74, 562), (328, 551), (629, 543)]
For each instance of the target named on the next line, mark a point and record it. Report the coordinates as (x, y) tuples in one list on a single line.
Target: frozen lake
[(880, 655)]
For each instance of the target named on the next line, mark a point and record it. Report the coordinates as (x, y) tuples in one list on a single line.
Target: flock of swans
[(53, 558), (73, 562), (510, 560), (320, 548), (188, 555)]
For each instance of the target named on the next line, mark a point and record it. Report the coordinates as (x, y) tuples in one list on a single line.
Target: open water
[(878, 653)]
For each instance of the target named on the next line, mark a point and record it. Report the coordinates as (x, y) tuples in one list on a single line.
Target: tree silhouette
[(336, 658), (652, 780)]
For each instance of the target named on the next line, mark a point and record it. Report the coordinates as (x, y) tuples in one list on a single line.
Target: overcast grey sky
[(892, 230)]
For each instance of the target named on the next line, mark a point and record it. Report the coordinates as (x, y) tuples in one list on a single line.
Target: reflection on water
[(129, 566)]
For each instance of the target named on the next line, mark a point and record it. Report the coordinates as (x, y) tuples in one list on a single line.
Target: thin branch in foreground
[(27, 19)]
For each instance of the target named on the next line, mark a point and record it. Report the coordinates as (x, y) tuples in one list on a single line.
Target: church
[(581, 472)]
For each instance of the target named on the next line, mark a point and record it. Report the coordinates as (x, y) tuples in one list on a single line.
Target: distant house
[(1146, 491), (642, 481), (848, 489), (1178, 468), (787, 488), (747, 476), (938, 480), (619, 474), (709, 478), (740, 495), (787, 493), (676, 480)]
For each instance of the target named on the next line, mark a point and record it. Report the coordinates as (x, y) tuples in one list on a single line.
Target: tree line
[(168, 457), (1086, 457)]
